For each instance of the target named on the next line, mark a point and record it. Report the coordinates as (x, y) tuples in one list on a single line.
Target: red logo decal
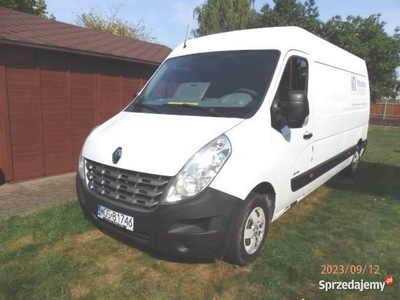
[(389, 280), (353, 84)]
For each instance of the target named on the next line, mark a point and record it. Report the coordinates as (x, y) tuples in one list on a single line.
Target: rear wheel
[(250, 230), (352, 169)]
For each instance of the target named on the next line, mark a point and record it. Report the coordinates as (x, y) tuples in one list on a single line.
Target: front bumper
[(199, 227)]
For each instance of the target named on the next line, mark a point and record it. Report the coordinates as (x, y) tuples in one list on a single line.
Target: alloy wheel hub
[(254, 230)]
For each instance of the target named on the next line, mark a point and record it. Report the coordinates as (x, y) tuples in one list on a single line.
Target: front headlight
[(81, 167), (200, 170)]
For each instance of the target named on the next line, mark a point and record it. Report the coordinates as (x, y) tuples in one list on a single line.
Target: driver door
[(293, 143)]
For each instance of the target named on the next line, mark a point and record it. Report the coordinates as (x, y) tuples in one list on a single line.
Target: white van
[(230, 132)]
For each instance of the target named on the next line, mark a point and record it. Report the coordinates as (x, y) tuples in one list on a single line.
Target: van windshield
[(220, 84)]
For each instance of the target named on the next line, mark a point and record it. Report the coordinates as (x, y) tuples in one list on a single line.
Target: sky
[(168, 20)]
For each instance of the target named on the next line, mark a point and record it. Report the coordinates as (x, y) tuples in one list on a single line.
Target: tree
[(291, 13), (367, 38), (224, 15), (364, 37), (112, 23), (34, 7)]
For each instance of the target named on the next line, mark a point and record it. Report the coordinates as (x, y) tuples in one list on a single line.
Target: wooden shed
[(57, 82)]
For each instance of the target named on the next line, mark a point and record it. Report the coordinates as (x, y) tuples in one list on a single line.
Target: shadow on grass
[(373, 179), (163, 256)]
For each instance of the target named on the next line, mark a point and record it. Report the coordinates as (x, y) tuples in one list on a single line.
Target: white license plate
[(115, 217)]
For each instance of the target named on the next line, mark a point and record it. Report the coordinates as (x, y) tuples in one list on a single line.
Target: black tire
[(237, 253), (352, 169)]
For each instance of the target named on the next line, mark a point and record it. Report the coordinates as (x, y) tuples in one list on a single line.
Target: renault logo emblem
[(117, 155)]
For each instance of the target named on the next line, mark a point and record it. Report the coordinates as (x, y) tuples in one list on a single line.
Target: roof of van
[(277, 38)]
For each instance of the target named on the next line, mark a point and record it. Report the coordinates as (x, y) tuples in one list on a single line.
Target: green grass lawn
[(56, 254)]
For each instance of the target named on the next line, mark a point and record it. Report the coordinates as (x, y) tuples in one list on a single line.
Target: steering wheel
[(247, 91)]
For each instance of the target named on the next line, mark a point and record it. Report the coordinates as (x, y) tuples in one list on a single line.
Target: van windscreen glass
[(220, 84)]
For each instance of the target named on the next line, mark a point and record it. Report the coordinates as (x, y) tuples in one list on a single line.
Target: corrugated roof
[(25, 29)]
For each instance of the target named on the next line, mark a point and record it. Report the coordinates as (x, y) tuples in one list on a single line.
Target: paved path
[(30, 196)]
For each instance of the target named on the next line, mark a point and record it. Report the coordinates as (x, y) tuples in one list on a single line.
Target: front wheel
[(250, 230)]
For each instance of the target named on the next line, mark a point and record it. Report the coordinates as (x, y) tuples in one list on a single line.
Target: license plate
[(116, 218)]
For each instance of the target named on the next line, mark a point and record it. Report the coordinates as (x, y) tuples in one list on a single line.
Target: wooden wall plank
[(130, 82), (128, 90), (109, 91), (83, 101), (5, 137), (24, 113), (56, 112)]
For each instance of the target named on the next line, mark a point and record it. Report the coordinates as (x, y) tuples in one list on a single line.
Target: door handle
[(307, 135)]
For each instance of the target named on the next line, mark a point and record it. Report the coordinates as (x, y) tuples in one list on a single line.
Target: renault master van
[(231, 131)]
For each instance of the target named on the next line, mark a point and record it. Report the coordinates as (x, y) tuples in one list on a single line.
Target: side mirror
[(295, 109)]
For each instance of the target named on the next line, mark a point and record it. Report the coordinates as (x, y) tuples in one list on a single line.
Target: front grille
[(128, 187)]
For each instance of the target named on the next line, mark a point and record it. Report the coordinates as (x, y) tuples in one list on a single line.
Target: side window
[(294, 78)]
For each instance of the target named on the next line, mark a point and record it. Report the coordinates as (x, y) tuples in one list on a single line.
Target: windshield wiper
[(149, 107), (209, 111)]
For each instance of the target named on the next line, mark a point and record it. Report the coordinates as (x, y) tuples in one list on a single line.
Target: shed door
[(25, 113), (55, 99)]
